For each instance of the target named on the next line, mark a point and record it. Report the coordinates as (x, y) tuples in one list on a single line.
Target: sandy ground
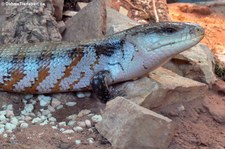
[(195, 126)]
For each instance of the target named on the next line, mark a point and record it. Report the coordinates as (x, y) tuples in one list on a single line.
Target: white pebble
[(68, 131), (2, 118), (44, 100), (87, 94), (96, 118), (62, 124), (36, 120), (10, 126), (80, 95), (29, 108), (71, 123), (2, 130), (52, 119), (54, 127), (181, 108), (81, 124), (45, 112), (78, 142), (90, 140), (83, 112), (78, 129), (24, 125), (62, 129), (52, 123), (9, 107), (59, 107), (72, 117), (28, 118), (51, 109), (14, 121), (44, 123), (70, 104), (88, 123), (9, 113), (2, 126), (5, 135), (2, 112), (55, 102), (43, 118)]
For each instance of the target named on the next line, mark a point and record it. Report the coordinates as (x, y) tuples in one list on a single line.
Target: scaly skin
[(50, 67)]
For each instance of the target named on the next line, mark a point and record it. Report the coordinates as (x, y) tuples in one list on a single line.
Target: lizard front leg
[(99, 84)]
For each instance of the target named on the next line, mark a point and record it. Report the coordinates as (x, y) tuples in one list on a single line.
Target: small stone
[(68, 131), (72, 117), (52, 119), (2, 118), (70, 104), (44, 100), (54, 127), (78, 129), (9, 107), (24, 125), (69, 13), (55, 102), (81, 124), (78, 142), (43, 118), (123, 11), (80, 5), (5, 135), (59, 107), (62, 129), (51, 109), (88, 123), (96, 118), (61, 26), (9, 113), (29, 96), (2, 112), (2, 130), (2, 126), (181, 108), (52, 123), (80, 95), (83, 112), (36, 120), (14, 121), (91, 130), (62, 124), (71, 123), (29, 108), (44, 123), (10, 126), (45, 112), (28, 118), (90, 140)]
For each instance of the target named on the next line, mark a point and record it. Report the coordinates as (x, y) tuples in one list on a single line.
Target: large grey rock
[(127, 125), (197, 63), (89, 23), (163, 88), (117, 22)]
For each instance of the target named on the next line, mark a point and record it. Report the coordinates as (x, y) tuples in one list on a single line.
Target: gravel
[(2, 130), (83, 113), (62, 124), (96, 118), (78, 129), (2, 118), (90, 140), (55, 102), (9, 126), (59, 107), (81, 124), (72, 117), (77, 142), (68, 131), (36, 120), (71, 123), (44, 100), (71, 104), (24, 125), (88, 123)]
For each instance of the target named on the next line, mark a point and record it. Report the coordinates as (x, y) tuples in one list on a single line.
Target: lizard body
[(50, 67)]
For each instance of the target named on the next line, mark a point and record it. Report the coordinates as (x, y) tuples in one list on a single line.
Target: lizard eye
[(169, 30)]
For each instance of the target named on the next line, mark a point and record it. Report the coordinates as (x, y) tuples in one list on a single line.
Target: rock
[(78, 129), (52, 119), (14, 121), (51, 109), (90, 140), (24, 125), (62, 124), (83, 113), (44, 100), (96, 118), (77, 142), (28, 96), (126, 124), (71, 123), (45, 112), (28, 108), (9, 126), (2, 130), (216, 109), (69, 13), (2, 118), (117, 22), (5, 135), (71, 104), (163, 88), (81, 124), (80, 94), (36, 120), (88, 123), (59, 107), (9, 113), (80, 5), (68, 131), (72, 117), (55, 102), (89, 23), (123, 11), (61, 26), (197, 63), (58, 5)]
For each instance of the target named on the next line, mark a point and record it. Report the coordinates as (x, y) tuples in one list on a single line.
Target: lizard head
[(158, 42)]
